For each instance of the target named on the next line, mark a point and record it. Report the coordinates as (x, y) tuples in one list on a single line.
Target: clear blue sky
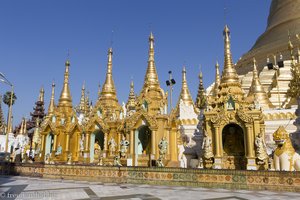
[(35, 37)]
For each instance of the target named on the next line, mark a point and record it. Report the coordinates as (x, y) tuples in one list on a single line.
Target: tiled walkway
[(37, 188)]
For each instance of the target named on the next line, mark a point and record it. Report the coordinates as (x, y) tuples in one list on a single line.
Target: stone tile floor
[(14, 187)]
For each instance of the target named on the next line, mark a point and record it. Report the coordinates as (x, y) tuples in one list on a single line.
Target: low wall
[(228, 179)]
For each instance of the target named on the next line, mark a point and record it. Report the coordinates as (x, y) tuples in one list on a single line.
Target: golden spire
[(131, 88), (257, 91), (21, 130), (152, 97), (41, 95), (130, 105), (52, 103), (217, 79), (201, 98), (108, 89), (82, 104), (87, 100), (25, 126), (108, 99), (99, 91), (151, 77), (65, 99), (185, 94), (36, 134), (229, 74), (230, 84)]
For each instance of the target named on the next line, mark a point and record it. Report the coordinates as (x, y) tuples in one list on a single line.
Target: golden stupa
[(284, 17)]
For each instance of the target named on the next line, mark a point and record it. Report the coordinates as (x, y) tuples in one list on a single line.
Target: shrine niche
[(233, 140), (97, 141), (143, 140), (49, 143), (230, 104)]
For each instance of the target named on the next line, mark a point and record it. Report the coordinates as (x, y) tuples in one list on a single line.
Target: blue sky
[(35, 36)]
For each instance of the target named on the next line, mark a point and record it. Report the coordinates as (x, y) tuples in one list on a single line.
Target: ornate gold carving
[(132, 120), (244, 116)]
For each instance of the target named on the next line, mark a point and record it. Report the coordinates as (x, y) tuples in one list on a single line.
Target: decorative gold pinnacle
[(108, 99), (229, 74), (185, 94), (217, 79), (108, 89), (257, 91), (21, 131), (99, 91), (65, 99), (52, 101), (201, 97), (82, 104), (41, 95), (36, 134), (230, 83), (87, 101), (25, 127), (151, 77), (152, 97), (131, 103)]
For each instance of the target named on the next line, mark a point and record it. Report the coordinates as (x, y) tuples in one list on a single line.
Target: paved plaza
[(38, 188)]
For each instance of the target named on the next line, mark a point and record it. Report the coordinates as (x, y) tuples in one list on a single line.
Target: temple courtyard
[(17, 187)]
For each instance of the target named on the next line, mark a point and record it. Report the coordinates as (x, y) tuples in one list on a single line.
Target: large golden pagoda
[(273, 58), (283, 16)]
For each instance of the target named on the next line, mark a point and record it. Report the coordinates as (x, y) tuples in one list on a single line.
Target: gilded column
[(173, 145), (105, 141), (78, 143), (131, 147), (54, 143), (67, 141), (217, 142), (250, 154), (87, 139), (43, 143), (249, 143), (119, 141), (220, 142), (169, 141), (153, 143)]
